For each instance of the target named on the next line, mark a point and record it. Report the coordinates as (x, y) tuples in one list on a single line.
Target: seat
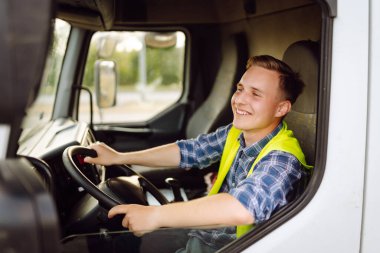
[(303, 57), (216, 110)]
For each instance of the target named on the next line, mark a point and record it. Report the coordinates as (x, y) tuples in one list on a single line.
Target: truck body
[(135, 75)]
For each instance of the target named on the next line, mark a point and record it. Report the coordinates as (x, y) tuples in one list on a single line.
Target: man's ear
[(283, 108)]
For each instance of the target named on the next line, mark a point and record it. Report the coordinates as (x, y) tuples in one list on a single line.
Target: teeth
[(241, 112)]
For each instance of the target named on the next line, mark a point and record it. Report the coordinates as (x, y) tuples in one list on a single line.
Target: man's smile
[(242, 112)]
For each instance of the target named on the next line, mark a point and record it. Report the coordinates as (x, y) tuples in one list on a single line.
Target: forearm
[(211, 211), (216, 210), (162, 156)]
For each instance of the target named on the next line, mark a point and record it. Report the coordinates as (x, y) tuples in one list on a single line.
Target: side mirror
[(106, 46), (106, 78), (160, 39)]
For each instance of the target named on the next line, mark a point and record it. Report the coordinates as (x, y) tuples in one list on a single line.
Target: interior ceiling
[(105, 14)]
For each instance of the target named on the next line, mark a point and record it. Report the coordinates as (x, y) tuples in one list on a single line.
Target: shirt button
[(233, 184)]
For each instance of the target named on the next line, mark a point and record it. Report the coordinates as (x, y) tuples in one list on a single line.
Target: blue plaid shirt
[(262, 193)]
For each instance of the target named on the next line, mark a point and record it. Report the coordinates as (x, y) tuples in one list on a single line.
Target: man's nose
[(241, 97)]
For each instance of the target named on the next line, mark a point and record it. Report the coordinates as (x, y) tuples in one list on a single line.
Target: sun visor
[(89, 14)]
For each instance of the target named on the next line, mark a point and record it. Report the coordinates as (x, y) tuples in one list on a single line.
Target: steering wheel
[(113, 191)]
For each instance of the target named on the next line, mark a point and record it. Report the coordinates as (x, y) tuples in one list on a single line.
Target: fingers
[(97, 146), (139, 233), (88, 159), (131, 219), (125, 222), (120, 209), (101, 149), (123, 210), (93, 146)]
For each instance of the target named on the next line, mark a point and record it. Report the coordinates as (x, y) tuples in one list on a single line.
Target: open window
[(135, 75)]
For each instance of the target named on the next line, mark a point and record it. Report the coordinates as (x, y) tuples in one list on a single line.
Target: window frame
[(328, 12)]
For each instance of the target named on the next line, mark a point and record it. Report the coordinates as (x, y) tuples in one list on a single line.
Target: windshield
[(41, 110), (149, 69)]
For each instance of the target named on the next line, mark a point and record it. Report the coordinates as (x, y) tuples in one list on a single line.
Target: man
[(260, 162)]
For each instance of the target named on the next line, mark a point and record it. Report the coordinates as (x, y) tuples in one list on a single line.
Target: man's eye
[(255, 94)]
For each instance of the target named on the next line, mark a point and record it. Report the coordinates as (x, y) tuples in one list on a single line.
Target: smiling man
[(260, 161)]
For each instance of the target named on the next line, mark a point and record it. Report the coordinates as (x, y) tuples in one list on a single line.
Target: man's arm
[(162, 156), (216, 210)]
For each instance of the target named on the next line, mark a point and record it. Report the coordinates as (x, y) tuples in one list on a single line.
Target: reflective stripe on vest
[(284, 140)]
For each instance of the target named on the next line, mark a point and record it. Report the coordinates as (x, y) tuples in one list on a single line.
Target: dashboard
[(44, 145), (48, 140)]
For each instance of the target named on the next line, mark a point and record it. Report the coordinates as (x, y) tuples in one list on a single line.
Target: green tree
[(165, 63), (88, 79)]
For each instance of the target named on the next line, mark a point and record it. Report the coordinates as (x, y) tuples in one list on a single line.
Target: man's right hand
[(106, 155)]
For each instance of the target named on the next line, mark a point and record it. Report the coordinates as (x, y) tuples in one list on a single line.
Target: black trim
[(78, 87), (332, 7)]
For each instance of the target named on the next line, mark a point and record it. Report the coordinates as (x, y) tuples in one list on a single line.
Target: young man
[(257, 140)]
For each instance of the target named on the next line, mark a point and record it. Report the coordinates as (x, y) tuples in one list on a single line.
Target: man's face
[(257, 100)]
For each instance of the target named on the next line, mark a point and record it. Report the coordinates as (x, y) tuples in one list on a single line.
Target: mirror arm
[(78, 87)]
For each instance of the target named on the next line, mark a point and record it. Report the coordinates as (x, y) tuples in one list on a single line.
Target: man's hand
[(106, 155), (138, 219)]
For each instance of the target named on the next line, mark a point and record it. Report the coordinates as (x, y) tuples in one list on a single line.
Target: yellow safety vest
[(284, 140)]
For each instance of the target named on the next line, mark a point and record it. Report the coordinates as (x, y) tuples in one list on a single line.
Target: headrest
[(303, 57)]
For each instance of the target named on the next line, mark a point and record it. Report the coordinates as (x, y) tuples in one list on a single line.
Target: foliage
[(164, 65)]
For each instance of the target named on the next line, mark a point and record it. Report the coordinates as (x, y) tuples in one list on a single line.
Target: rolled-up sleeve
[(265, 190), (204, 150)]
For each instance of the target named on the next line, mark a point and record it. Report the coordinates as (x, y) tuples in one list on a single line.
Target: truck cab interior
[(137, 74)]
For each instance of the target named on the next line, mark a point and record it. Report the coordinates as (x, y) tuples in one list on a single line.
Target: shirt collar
[(256, 147)]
